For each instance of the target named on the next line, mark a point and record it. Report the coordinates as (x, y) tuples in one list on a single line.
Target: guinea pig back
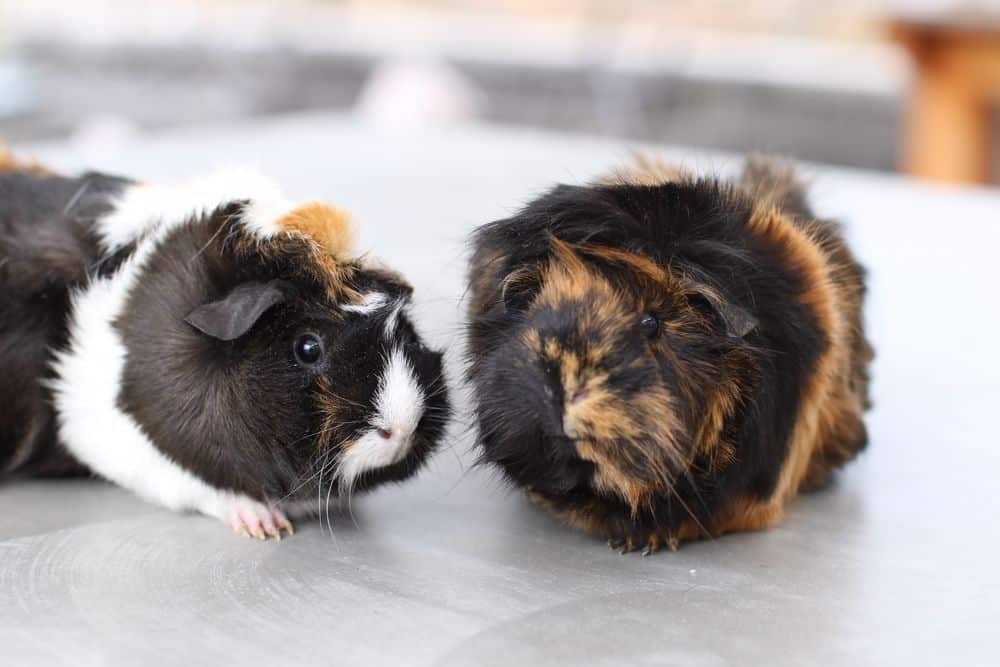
[(657, 358), (226, 350)]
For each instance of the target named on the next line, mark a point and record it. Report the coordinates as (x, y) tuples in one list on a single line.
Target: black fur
[(47, 248), (695, 228), (243, 413), (240, 414)]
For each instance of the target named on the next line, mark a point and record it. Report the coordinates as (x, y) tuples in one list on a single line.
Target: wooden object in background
[(957, 62)]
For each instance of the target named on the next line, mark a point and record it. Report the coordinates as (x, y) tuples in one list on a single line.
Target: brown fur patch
[(821, 298), (829, 426), (331, 408), (567, 279), (641, 264), (839, 429), (328, 226), (818, 406), (484, 280), (769, 183), (316, 247), (632, 442), (710, 440), (644, 170), (10, 163)]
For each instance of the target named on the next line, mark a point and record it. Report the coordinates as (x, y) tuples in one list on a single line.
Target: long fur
[(751, 385)]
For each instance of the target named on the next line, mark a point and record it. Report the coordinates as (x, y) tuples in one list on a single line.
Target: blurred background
[(878, 84)]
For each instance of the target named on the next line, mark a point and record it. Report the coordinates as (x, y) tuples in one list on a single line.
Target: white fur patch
[(392, 321), (141, 208), (399, 405), (372, 302), (89, 372), (92, 426)]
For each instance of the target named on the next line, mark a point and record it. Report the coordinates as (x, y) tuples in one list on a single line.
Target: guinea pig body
[(657, 358), (208, 345)]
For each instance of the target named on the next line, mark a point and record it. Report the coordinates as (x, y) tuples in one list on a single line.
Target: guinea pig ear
[(386, 278), (737, 320), (519, 288), (232, 316)]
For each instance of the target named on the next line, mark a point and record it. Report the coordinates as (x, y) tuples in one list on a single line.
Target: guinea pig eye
[(308, 349), (648, 325)]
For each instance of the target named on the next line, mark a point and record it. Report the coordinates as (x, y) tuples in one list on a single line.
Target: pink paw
[(253, 519)]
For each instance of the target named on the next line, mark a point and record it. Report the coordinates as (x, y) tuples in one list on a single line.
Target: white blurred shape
[(98, 137), (17, 92), (408, 93)]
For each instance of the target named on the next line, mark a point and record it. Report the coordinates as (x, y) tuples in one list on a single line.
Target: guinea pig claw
[(673, 543), (630, 546), (652, 546), (258, 520)]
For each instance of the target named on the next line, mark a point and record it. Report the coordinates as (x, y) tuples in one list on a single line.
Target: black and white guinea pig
[(659, 358), (209, 345)]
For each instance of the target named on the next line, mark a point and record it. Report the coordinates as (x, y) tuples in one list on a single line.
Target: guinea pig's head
[(353, 390), (599, 367), (279, 367)]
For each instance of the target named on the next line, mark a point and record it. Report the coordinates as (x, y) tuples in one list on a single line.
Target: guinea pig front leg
[(609, 519), (252, 518), (649, 542)]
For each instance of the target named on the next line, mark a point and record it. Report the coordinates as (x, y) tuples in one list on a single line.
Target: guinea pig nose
[(578, 395), (384, 432)]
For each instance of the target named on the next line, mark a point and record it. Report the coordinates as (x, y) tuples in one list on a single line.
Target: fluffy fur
[(174, 335), (658, 358)]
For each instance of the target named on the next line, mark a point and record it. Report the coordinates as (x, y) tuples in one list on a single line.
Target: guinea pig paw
[(652, 546), (253, 519), (631, 544), (649, 544)]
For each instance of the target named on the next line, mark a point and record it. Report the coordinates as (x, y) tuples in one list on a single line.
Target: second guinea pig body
[(658, 358), (208, 345)]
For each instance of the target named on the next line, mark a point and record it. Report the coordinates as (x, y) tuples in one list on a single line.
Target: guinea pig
[(658, 358), (209, 345)]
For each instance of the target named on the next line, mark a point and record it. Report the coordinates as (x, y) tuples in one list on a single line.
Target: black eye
[(308, 349), (648, 325)]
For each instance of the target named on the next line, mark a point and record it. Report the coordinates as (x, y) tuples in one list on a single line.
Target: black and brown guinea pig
[(658, 358), (208, 345)]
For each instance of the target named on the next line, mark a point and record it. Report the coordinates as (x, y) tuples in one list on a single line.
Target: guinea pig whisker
[(697, 493), (441, 389), (327, 428), (311, 475), (323, 510), (329, 521), (76, 197), (319, 490), (345, 491), (689, 512), (212, 238), (344, 399)]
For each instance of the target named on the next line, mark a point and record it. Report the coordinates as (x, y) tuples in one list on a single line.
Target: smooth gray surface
[(896, 564)]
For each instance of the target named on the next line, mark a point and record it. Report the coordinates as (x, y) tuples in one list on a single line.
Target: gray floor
[(896, 564)]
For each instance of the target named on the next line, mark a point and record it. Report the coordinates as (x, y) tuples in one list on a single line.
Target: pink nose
[(578, 395), (385, 432)]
